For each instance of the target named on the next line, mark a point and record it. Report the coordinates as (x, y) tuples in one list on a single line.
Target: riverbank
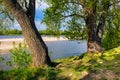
[(84, 67), (57, 47), (6, 43)]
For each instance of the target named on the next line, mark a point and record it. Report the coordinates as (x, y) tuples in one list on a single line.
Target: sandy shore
[(57, 47), (7, 44)]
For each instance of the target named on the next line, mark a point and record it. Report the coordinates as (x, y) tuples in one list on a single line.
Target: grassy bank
[(84, 67)]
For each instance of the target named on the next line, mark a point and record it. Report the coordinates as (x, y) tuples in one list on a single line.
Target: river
[(57, 47)]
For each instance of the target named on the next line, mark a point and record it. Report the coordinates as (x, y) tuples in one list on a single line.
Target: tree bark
[(95, 31), (94, 34), (35, 43)]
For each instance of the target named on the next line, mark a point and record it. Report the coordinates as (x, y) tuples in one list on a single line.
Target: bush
[(29, 74), (20, 56), (111, 39)]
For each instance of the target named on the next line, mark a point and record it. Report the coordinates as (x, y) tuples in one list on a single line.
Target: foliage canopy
[(71, 15)]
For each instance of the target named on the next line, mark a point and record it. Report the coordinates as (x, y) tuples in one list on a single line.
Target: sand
[(7, 44), (57, 47)]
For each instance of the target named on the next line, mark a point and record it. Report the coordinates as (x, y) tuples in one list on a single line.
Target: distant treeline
[(11, 32), (42, 32)]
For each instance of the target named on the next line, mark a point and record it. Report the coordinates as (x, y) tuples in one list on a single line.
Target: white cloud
[(16, 25), (41, 5), (38, 25)]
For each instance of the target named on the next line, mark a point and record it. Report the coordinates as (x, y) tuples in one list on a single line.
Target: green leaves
[(5, 17), (71, 15), (59, 14), (111, 36), (20, 56)]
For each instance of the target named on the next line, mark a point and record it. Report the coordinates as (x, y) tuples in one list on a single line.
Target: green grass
[(105, 66)]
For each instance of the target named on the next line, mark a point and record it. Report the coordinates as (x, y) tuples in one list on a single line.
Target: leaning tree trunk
[(35, 43)]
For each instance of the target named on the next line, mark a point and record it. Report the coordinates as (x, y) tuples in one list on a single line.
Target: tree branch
[(103, 16), (66, 16), (117, 2), (77, 3), (31, 9)]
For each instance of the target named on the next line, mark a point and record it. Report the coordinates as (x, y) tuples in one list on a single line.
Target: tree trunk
[(35, 43), (95, 28), (94, 36)]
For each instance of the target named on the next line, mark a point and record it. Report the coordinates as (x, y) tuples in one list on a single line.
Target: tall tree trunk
[(94, 35), (94, 40), (35, 43), (95, 31)]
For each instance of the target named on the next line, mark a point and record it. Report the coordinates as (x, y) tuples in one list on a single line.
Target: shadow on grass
[(32, 74), (84, 67), (109, 69)]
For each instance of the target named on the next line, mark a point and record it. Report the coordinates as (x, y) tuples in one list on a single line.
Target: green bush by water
[(20, 56)]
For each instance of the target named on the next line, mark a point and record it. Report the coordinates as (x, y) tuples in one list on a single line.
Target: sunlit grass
[(103, 66)]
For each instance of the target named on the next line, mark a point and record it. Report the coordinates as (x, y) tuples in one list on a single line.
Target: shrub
[(20, 56)]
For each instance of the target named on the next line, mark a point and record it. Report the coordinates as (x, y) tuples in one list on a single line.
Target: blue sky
[(38, 17)]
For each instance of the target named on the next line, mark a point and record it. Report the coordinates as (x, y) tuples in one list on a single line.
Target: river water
[(60, 48), (57, 47)]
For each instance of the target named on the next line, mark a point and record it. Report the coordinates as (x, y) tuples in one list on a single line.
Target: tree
[(111, 38), (25, 18), (4, 20), (82, 18)]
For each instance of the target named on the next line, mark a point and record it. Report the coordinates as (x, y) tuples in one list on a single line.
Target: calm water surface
[(7, 37), (60, 48)]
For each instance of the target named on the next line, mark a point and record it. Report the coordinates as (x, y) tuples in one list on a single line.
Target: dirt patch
[(102, 75)]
